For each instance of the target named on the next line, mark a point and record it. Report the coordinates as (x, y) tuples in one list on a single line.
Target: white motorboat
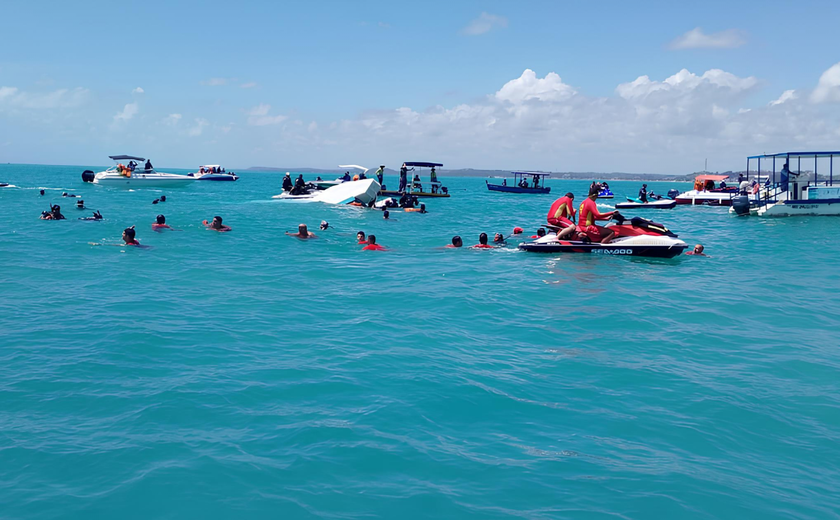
[(213, 172), (363, 191), (651, 204), (135, 174), (707, 193), (792, 191)]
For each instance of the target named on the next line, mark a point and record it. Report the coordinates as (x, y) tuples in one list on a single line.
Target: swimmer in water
[(372, 245), (456, 242), (386, 214), (499, 239), (42, 193), (324, 225), (53, 214), (698, 251), (128, 237), (80, 204), (70, 195), (160, 224), (482, 242), (216, 224), (96, 216), (360, 236), (303, 232)]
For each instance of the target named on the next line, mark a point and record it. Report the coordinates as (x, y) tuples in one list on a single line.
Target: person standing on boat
[(643, 193), (149, 165), (380, 174), (434, 181), (403, 177), (785, 174)]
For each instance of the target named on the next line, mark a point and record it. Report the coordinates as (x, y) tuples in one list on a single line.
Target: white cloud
[(248, 85), (215, 82), (683, 82), (138, 90), (128, 112), (529, 87), (12, 97), (787, 95), (200, 124), (484, 23), (697, 39), (313, 126), (828, 88), (258, 116), (172, 119)]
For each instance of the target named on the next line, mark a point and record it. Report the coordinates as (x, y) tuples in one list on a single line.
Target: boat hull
[(217, 178), (655, 204), (669, 248), (364, 191), (516, 189), (142, 180), (706, 198)]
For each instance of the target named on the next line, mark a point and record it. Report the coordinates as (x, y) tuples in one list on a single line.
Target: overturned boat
[(363, 191)]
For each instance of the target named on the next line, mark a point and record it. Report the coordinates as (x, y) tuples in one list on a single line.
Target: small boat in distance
[(605, 192), (213, 172), (135, 174), (521, 185), (414, 185), (651, 204)]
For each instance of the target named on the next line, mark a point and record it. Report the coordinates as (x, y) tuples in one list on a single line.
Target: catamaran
[(134, 174), (521, 183), (790, 191)]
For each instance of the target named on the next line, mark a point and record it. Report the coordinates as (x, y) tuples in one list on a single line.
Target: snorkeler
[(96, 216), (128, 237), (53, 214), (216, 224), (302, 232), (324, 225), (80, 204), (372, 245)]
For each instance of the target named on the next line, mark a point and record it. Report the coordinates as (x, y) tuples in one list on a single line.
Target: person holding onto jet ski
[(588, 214)]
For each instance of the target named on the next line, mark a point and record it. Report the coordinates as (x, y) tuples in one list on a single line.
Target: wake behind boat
[(132, 175)]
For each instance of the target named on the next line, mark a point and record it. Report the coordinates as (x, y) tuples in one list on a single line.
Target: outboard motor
[(672, 193), (741, 205), (88, 176)]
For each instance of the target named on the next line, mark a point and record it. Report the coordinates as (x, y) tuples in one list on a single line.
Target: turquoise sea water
[(253, 375)]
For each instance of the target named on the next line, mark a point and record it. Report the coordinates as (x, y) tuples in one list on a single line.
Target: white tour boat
[(135, 174), (213, 172)]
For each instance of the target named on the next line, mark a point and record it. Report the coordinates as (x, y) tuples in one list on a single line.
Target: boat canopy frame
[(541, 177), (798, 156), (125, 158)]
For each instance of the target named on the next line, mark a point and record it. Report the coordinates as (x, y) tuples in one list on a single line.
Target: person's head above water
[(498, 237), (42, 192), (217, 222), (302, 230), (541, 232), (361, 236), (457, 242), (324, 224), (160, 219), (129, 234), (698, 249), (482, 239), (371, 239), (386, 214)]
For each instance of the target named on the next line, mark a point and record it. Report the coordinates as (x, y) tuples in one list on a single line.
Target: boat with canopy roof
[(414, 186), (709, 190), (521, 183)]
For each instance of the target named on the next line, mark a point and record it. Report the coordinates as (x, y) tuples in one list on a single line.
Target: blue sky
[(317, 83)]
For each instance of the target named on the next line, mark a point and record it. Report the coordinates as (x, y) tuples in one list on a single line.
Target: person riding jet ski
[(589, 214), (287, 182)]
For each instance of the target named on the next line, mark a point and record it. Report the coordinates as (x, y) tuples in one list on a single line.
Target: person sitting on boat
[(540, 233), (148, 165), (456, 242), (605, 186), (216, 224), (504, 182), (372, 245), (132, 165), (523, 183), (287, 182), (589, 214), (643, 193), (562, 211), (723, 185), (346, 177), (709, 186), (300, 186), (482, 242), (303, 232), (416, 183), (362, 176)]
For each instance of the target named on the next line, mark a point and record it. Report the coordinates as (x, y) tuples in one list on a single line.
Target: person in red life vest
[(456, 242), (562, 214), (303, 232), (698, 251), (482, 242), (589, 214), (540, 233), (160, 224), (360, 236), (128, 237), (216, 225), (372, 245)]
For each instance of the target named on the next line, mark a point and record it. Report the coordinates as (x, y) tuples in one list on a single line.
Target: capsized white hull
[(364, 191)]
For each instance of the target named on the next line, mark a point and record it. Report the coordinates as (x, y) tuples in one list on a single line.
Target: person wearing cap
[(324, 225)]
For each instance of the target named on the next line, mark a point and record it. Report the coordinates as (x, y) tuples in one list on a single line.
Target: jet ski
[(605, 193), (651, 204), (634, 237)]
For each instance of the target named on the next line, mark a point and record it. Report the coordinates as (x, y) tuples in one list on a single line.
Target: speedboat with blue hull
[(636, 237), (213, 172), (523, 182)]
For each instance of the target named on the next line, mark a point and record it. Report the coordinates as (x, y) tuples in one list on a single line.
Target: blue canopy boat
[(414, 185), (522, 185)]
